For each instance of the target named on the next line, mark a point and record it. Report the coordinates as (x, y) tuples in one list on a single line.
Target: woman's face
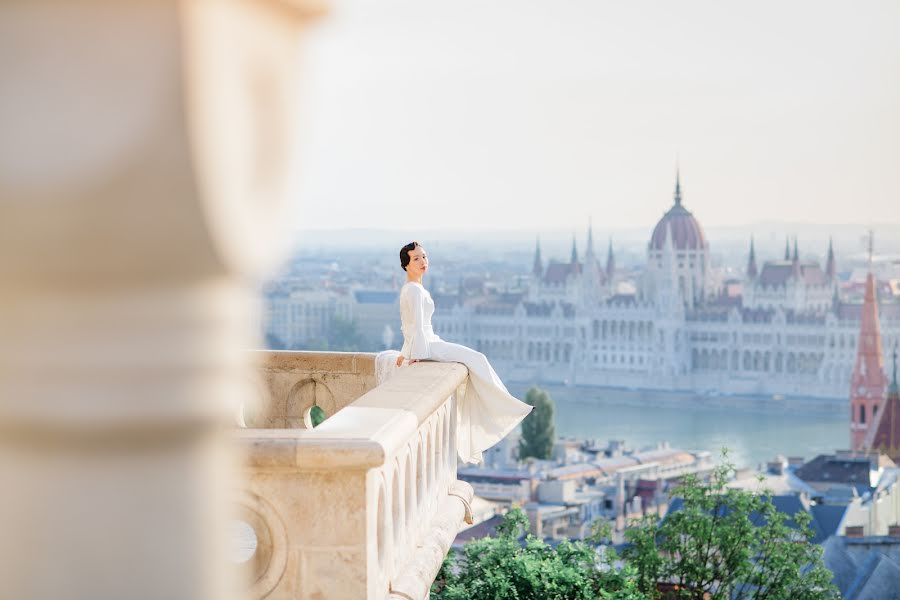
[(418, 262)]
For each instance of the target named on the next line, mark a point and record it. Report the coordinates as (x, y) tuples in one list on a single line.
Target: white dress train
[(487, 412)]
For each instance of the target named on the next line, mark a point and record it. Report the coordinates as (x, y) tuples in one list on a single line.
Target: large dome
[(686, 231)]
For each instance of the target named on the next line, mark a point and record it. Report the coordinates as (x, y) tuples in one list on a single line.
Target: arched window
[(862, 414)]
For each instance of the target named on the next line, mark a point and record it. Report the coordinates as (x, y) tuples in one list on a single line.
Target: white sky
[(471, 115)]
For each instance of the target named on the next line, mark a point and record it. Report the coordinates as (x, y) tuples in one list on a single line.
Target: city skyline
[(774, 113)]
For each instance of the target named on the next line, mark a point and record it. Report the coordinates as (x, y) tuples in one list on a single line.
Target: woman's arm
[(419, 346)]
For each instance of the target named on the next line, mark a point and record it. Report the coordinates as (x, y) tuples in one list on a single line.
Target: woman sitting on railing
[(487, 412)]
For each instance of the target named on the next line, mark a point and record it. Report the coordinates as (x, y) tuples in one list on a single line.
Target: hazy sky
[(537, 115)]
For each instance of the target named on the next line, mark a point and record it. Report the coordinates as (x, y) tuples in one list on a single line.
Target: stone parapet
[(366, 504)]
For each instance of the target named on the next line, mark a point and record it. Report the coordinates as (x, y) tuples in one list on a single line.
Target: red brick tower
[(868, 383), (884, 437)]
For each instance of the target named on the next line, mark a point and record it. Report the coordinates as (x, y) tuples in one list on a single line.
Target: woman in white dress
[(486, 412)]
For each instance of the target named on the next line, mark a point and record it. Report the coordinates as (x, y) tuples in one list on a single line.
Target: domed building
[(678, 255)]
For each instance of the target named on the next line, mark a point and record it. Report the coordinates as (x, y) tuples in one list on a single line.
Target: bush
[(722, 544), (730, 544), (502, 567)]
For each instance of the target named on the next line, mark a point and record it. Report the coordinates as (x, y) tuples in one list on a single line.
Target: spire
[(574, 260), (795, 261), (830, 267), (787, 248), (677, 186), (868, 382), (538, 269), (589, 253), (871, 248), (610, 261), (752, 271)]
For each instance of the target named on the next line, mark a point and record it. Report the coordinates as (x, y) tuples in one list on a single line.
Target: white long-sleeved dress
[(487, 412)]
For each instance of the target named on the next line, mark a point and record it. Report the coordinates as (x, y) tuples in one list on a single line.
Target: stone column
[(144, 159)]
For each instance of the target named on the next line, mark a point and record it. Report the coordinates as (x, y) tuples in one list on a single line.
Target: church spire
[(610, 261), (574, 260), (538, 269), (589, 253), (830, 267), (677, 186), (752, 271), (868, 382)]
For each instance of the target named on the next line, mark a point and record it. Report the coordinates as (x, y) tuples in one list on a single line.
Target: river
[(754, 429)]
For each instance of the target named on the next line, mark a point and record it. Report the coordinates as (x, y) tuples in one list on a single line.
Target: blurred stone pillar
[(145, 148)]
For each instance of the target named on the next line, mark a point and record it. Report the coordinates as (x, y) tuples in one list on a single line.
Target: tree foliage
[(730, 544), (722, 544), (538, 429), (503, 568)]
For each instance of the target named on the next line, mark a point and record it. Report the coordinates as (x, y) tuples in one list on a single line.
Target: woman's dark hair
[(404, 253)]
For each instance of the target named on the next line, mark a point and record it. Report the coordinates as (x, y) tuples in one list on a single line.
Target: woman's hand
[(412, 361)]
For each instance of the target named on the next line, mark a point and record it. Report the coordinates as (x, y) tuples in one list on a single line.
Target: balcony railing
[(366, 504)]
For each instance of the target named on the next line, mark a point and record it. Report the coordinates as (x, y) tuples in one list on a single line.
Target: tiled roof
[(827, 468), (777, 273), (557, 272)]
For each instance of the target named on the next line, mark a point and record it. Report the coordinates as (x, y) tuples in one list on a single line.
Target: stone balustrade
[(291, 383), (366, 504)]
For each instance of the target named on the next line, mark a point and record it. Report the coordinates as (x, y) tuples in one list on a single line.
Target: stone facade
[(786, 333)]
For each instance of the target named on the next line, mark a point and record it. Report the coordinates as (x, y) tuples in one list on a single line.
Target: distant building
[(562, 497), (373, 310), (865, 567), (861, 472), (783, 329), (884, 434), (868, 383)]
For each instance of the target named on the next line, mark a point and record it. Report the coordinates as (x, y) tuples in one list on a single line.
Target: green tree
[(730, 544), (538, 430), (502, 567)]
